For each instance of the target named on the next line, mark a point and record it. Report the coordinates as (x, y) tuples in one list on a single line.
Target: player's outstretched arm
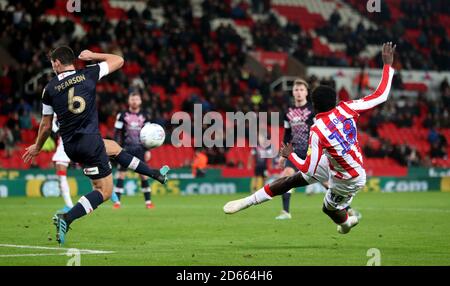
[(309, 164), (45, 129), (114, 62), (381, 93)]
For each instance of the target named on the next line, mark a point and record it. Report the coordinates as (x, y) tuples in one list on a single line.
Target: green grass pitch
[(407, 229)]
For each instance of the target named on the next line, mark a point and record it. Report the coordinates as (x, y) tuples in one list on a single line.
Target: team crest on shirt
[(134, 121), (297, 115)]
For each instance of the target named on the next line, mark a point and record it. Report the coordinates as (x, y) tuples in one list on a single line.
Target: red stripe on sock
[(268, 191), (346, 218), (61, 173)]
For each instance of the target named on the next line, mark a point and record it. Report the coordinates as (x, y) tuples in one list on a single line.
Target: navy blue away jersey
[(128, 126), (71, 95), (297, 121)]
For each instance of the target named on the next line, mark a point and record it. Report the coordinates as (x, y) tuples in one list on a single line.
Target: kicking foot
[(116, 205), (235, 206), (348, 225), (284, 215), (61, 228), (149, 206), (162, 178)]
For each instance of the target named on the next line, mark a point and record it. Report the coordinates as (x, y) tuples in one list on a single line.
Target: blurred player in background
[(127, 128), (72, 96), (261, 156), (297, 121), (61, 163), (334, 154)]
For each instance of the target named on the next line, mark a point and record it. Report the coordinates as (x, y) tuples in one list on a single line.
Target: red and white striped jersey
[(335, 134)]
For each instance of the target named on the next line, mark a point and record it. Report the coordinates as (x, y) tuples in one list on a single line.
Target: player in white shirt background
[(62, 161)]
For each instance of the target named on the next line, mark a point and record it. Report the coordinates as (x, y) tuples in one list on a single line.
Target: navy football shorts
[(89, 150)]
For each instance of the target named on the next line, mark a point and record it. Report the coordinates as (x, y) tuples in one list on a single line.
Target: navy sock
[(119, 183), (286, 200), (127, 160), (85, 205), (145, 189)]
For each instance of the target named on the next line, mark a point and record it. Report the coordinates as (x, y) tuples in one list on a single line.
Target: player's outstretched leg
[(277, 187), (133, 163)]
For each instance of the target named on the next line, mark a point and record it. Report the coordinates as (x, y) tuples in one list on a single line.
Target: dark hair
[(64, 54), (323, 98), (134, 93)]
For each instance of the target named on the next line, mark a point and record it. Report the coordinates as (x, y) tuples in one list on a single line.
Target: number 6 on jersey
[(72, 99)]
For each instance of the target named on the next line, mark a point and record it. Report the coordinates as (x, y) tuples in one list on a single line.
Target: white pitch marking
[(34, 254), (82, 251)]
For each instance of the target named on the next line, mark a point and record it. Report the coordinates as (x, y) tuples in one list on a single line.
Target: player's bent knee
[(112, 148)]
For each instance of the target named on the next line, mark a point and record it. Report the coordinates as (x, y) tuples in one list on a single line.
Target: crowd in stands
[(184, 55)]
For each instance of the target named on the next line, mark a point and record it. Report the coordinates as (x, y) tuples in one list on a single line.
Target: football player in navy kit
[(71, 95), (128, 126), (297, 121)]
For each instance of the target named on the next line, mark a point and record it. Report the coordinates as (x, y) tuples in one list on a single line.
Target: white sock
[(258, 197), (65, 191), (351, 220)]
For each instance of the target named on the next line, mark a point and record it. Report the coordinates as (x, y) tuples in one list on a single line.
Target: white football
[(152, 135)]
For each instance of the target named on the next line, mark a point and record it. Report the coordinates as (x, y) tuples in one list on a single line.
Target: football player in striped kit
[(334, 155)]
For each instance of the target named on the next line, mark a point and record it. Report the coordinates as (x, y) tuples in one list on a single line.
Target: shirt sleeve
[(47, 108), (118, 131), (55, 125), (309, 165), (97, 71), (119, 121), (379, 96), (287, 130)]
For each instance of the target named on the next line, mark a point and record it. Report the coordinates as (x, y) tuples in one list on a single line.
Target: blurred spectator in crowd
[(7, 141), (199, 164)]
